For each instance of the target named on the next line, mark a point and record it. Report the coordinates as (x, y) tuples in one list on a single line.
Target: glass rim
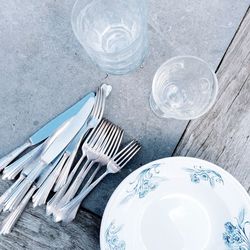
[(101, 52), (213, 94)]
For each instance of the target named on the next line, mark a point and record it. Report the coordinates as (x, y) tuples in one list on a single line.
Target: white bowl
[(177, 203)]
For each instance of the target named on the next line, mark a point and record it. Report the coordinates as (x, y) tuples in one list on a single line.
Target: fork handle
[(72, 215), (53, 202), (6, 160), (68, 212), (76, 142), (91, 178), (76, 183)]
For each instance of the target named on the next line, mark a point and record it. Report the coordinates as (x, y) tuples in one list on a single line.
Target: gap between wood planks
[(222, 59), (222, 135)]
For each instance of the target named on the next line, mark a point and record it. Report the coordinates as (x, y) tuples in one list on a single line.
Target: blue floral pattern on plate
[(112, 239), (236, 236), (198, 174), (146, 181)]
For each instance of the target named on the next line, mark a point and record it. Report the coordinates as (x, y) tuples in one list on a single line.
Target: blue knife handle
[(6, 160)]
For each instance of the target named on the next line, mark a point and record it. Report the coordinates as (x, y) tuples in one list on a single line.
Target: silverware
[(63, 175), (53, 146), (45, 131), (12, 218), (50, 163), (60, 179), (68, 212), (8, 193), (90, 140), (6, 203), (40, 197), (100, 149), (93, 120), (12, 170)]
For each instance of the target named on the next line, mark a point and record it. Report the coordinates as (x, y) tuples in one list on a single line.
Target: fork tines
[(114, 141), (99, 107), (126, 154), (95, 133)]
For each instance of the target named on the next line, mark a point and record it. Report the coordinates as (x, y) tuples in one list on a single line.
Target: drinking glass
[(184, 88), (113, 32)]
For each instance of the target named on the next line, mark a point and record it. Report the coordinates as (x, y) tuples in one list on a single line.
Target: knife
[(11, 171), (54, 145), (45, 131), (70, 154), (12, 218), (8, 193), (73, 147), (42, 193)]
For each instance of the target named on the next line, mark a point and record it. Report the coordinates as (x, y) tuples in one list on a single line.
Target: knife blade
[(73, 147), (67, 132), (52, 148), (45, 131), (70, 155)]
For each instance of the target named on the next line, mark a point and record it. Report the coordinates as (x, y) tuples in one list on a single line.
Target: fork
[(106, 145), (100, 155), (25, 180), (93, 120), (23, 186), (41, 195), (68, 212), (91, 140)]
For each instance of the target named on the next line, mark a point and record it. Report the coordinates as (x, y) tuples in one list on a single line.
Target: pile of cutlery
[(51, 165)]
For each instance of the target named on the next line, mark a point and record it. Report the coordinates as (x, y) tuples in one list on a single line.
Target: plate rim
[(243, 191)]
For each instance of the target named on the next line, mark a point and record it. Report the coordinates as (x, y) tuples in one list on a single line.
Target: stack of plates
[(177, 203)]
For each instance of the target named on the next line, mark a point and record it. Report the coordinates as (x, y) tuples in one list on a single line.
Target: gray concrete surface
[(43, 70)]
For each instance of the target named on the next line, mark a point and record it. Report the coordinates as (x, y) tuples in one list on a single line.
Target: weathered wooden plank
[(223, 135), (36, 231)]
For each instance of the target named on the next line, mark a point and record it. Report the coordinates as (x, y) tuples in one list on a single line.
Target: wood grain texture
[(36, 231), (222, 136)]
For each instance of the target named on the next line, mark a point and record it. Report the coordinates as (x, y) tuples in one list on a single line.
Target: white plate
[(177, 203)]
